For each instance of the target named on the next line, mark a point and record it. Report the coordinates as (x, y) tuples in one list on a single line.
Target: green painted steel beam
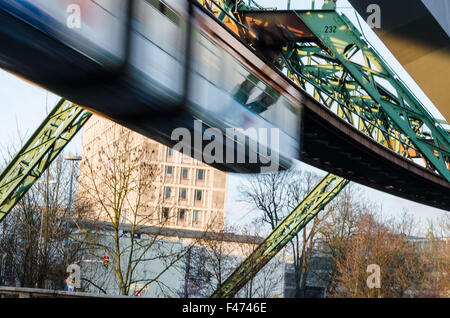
[(356, 92), (366, 93), (378, 82), (342, 95), (325, 191), (55, 132)]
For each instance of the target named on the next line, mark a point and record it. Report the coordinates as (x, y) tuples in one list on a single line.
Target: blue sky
[(23, 106)]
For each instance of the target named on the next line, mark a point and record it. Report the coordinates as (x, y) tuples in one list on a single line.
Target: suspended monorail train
[(155, 66)]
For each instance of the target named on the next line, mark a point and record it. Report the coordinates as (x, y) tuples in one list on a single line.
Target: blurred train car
[(154, 66)]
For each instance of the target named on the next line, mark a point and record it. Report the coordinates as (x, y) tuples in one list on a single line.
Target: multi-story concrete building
[(189, 193)]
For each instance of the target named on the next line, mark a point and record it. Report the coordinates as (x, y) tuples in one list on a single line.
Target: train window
[(164, 9), (261, 98), (247, 88), (284, 115), (157, 25), (244, 89), (252, 92), (228, 82), (157, 48), (261, 103), (98, 31), (209, 62)]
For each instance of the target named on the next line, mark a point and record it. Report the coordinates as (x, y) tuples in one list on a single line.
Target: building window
[(169, 171), (165, 213), (200, 174), (198, 195), (182, 214), (169, 152), (196, 216), (185, 173), (167, 191), (183, 193)]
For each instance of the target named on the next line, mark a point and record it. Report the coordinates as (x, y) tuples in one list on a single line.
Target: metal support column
[(311, 205), (56, 131)]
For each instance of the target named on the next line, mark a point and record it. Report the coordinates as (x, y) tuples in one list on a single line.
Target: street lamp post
[(73, 159), (47, 203)]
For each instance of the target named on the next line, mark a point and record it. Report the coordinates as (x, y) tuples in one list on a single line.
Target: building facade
[(188, 193)]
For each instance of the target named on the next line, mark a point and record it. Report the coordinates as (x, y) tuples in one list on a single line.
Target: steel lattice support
[(55, 132), (355, 74), (313, 203), (349, 77), (335, 89)]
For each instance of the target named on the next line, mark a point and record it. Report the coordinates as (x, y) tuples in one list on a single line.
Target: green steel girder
[(394, 118), (401, 109), (55, 132), (312, 204), (345, 97), (365, 92)]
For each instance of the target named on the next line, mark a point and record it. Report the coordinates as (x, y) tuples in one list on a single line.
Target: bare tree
[(436, 253), (377, 241), (337, 228), (302, 246), (125, 229), (210, 263), (277, 194), (268, 193), (218, 254), (36, 245), (267, 283)]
